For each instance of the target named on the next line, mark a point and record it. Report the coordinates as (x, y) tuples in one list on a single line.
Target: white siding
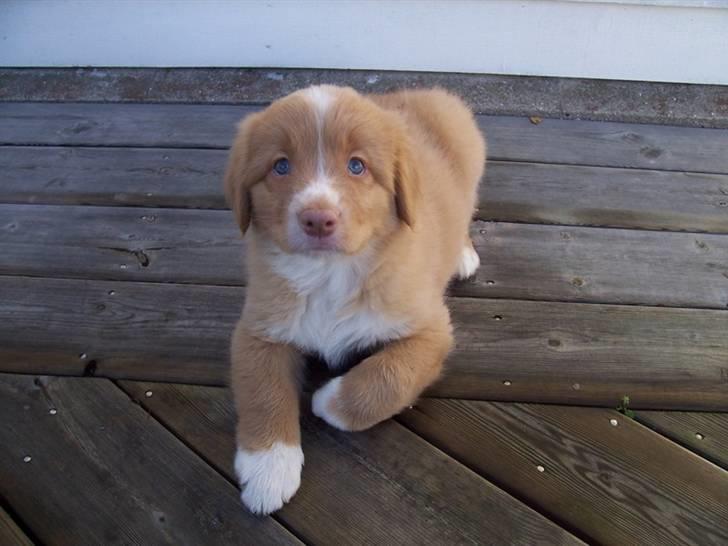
[(618, 39)]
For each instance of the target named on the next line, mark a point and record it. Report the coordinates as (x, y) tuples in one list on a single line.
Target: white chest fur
[(330, 318)]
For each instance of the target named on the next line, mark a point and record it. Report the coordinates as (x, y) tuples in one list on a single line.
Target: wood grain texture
[(212, 126), (600, 196), (144, 125), (152, 177), (113, 329), (383, 486), (606, 144), (512, 191), (615, 484), (600, 265), (165, 245), (10, 533), (587, 354), (704, 433), (552, 263), (547, 352), (102, 471)]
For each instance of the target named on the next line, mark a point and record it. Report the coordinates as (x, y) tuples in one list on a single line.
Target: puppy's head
[(322, 170)]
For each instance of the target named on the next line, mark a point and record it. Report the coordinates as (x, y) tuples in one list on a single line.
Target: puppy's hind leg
[(469, 261)]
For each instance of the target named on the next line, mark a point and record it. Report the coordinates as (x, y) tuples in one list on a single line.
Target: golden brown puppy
[(356, 210)]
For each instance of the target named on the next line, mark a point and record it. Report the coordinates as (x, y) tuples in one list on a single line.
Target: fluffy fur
[(271, 476), (398, 233)]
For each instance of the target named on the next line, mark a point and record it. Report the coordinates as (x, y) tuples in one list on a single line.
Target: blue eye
[(356, 166), (282, 166)]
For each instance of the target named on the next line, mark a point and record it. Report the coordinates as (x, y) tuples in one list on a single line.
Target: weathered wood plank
[(151, 177), (162, 125), (553, 263), (212, 126), (606, 144), (102, 471), (703, 433), (600, 196), (512, 191), (618, 484), (506, 350), (383, 486), (114, 329), (588, 354), (602, 265), (166, 245), (10, 533)]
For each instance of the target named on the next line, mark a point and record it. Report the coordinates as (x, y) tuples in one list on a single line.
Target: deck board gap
[(506, 159), (506, 220), (713, 457), (500, 159), (211, 464), (688, 450), (453, 296), (19, 522), (578, 533), (477, 218)]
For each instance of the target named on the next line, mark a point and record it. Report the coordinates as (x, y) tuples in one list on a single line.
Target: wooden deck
[(605, 274)]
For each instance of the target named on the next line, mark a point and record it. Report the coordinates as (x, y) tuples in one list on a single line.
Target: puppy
[(356, 210)]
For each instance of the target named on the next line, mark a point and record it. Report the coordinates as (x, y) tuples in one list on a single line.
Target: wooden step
[(382, 486), (505, 349), (704, 433), (80, 463), (516, 139), (523, 261), (592, 469), (512, 191)]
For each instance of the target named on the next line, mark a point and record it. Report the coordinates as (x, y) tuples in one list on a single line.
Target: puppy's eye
[(282, 166), (356, 166)]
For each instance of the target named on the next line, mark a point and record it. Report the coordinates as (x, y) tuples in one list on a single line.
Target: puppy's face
[(322, 170)]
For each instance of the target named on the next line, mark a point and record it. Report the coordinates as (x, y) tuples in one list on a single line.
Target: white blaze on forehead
[(320, 187), (321, 99)]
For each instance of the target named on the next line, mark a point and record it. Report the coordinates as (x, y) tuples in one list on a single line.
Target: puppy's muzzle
[(318, 222)]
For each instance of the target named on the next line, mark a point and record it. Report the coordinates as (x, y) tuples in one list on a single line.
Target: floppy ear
[(240, 174), (406, 184)]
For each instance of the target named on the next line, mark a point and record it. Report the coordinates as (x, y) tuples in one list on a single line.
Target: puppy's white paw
[(269, 477), (469, 263), (321, 403)]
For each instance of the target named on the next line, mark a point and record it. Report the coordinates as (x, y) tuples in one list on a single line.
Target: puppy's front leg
[(265, 382), (386, 382)]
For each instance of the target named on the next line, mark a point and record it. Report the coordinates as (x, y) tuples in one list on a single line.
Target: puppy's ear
[(241, 172), (406, 184)]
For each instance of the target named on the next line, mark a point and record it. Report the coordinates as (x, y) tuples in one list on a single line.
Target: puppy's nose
[(318, 222)]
